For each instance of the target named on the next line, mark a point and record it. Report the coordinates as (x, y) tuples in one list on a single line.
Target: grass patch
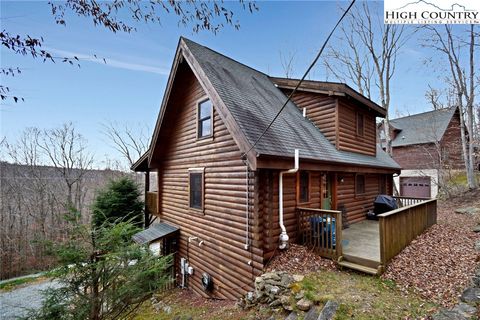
[(364, 297), (9, 285)]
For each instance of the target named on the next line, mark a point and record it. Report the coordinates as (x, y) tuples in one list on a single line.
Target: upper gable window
[(360, 124), (204, 119)]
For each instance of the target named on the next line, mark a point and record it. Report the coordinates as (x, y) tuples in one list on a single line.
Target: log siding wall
[(348, 139), (321, 110), (221, 225), (355, 205)]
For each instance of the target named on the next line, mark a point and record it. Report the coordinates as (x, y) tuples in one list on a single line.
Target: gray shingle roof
[(253, 100), (420, 128), (154, 232)]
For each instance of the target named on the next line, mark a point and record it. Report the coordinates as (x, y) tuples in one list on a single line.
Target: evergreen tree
[(104, 274), (119, 200)]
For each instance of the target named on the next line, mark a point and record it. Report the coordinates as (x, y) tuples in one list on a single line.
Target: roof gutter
[(283, 235)]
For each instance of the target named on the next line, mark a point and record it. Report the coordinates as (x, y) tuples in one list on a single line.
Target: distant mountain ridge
[(435, 6)]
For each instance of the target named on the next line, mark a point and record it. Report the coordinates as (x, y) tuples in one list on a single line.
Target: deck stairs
[(360, 264)]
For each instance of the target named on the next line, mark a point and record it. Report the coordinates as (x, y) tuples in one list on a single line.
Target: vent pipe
[(283, 240), (304, 112)]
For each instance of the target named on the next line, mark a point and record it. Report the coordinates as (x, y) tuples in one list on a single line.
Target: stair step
[(358, 267)]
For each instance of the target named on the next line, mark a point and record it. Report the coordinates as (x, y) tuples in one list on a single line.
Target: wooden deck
[(369, 245), (362, 240)]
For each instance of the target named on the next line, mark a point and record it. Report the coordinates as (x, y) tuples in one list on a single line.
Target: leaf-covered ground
[(439, 264)]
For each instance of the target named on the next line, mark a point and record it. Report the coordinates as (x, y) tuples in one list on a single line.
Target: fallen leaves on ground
[(299, 260), (439, 264)]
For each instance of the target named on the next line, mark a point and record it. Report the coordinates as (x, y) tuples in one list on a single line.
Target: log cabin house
[(427, 147), (236, 204)]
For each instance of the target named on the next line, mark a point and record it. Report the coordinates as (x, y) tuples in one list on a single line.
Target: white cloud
[(109, 62)]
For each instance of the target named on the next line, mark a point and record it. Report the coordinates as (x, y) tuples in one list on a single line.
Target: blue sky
[(129, 88)]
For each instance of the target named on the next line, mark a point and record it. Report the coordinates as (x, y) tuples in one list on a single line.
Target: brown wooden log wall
[(348, 140), (321, 110), (358, 205), (222, 224)]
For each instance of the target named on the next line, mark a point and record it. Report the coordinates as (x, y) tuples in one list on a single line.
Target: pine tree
[(120, 199)]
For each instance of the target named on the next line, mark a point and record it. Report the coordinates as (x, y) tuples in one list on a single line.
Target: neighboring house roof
[(248, 100), (426, 127), (154, 232)]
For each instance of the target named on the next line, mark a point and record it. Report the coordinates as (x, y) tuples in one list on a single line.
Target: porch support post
[(147, 189)]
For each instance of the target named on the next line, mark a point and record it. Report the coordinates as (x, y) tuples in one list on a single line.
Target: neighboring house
[(223, 192), (427, 146)]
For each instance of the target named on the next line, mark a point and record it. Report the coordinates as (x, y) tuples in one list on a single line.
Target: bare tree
[(369, 56), (131, 141), (461, 76), (287, 60), (198, 15), (67, 153)]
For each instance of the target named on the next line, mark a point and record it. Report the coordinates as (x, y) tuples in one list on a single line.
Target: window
[(359, 184), (196, 189), (304, 186), (382, 187), (360, 124), (204, 119)]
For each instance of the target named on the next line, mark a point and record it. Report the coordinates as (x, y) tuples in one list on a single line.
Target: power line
[(301, 80)]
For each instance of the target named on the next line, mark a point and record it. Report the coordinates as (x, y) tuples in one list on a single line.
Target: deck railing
[(320, 230), (408, 201), (151, 202), (400, 226)]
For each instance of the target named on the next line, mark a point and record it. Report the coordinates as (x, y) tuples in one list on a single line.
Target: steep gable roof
[(247, 100), (426, 127)]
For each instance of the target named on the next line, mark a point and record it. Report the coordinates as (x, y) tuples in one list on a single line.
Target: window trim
[(360, 133), (309, 187), (198, 120), (202, 172), (357, 193)]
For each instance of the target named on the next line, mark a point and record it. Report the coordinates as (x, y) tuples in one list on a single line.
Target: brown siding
[(222, 225), (348, 139), (451, 144), (321, 110), (358, 205), (427, 155), (420, 156), (269, 180), (355, 205)]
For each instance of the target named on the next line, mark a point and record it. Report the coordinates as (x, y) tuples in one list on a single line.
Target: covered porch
[(368, 245)]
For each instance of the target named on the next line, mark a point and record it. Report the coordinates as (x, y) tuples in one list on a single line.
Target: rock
[(304, 304), (465, 310), (328, 311), (471, 295), (300, 295), (468, 210), (445, 314), (271, 276), (312, 314), (298, 277), (167, 309), (292, 316), (476, 281), (250, 296), (476, 229), (286, 280), (274, 290), (275, 303), (477, 246)]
